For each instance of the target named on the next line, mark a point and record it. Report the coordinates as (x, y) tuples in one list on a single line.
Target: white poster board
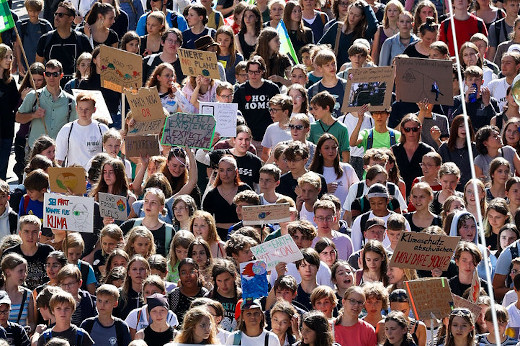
[(68, 213), (225, 115), (281, 249)]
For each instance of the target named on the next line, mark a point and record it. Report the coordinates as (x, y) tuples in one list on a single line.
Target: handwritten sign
[(192, 130), (417, 79), (113, 206), (428, 296), (460, 302), (423, 251), (281, 249), (101, 112), (262, 214), (137, 146), (225, 115), (62, 179), (197, 62), (120, 69), (368, 85), (254, 279), (68, 213)]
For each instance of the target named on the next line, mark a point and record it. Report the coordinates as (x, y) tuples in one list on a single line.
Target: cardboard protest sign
[(429, 296), (423, 251), (254, 279), (113, 206), (418, 79), (137, 146), (63, 178), (198, 62), (460, 302), (120, 69), (281, 249), (368, 85), (192, 130), (225, 115), (101, 112), (262, 214), (68, 213)]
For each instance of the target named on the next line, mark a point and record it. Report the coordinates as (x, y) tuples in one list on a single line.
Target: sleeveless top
[(246, 48), (14, 314), (382, 36), (158, 338)]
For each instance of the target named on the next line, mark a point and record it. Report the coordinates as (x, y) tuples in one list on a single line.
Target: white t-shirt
[(132, 322), (498, 89), (348, 178), (307, 215), (255, 341), (509, 298), (274, 135), (79, 144), (322, 277), (350, 122), (514, 321)]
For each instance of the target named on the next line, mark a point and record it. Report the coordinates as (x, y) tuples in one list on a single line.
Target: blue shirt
[(181, 22), (392, 47)]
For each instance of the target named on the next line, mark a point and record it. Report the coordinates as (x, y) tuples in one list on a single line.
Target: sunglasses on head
[(414, 129), (52, 74)]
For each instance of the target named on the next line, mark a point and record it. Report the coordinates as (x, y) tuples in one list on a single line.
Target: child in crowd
[(75, 246), (36, 183), (110, 238)]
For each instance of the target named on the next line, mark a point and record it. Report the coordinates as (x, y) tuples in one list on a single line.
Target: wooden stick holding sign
[(262, 214), (281, 249), (197, 62), (430, 296)]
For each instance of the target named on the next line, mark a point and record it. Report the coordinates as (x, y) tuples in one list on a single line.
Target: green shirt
[(337, 129), (381, 140), (56, 112)]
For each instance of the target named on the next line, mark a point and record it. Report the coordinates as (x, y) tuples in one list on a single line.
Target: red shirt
[(360, 334), (464, 29)]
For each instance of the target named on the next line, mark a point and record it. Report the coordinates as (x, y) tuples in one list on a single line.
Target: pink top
[(360, 334)]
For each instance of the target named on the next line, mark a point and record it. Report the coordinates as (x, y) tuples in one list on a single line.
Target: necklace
[(327, 130), (227, 194)]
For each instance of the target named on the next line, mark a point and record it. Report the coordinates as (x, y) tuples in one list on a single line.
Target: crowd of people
[(353, 181)]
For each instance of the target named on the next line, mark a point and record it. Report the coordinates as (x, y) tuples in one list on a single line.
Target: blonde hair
[(191, 320), (135, 232), (210, 220), (181, 239)]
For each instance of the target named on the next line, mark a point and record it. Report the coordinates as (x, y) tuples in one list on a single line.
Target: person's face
[(274, 44), (298, 129), (353, 304), (206, 3), (328, 255), (53, 76), (276, 112), (301, 241), (435, 54), (460, 5), (181, 212), (85, 110), (412, 131), (244, 255), (193, 18), (329, 68), (4, 314), (70, 285), (460, 328), (373, 305), (393, 236), (512, 134), (112, 146), (267, 182), (156, 5), (153, 26), (142, 246), (508, 65), (344, 277), (199, 255), (354, 16), (62, 18), (132, 46), (105, 303), (375, 233), (307, 271), (158, 314), (152, 205), (137, 272), (6, 62), (449, 182), (378, 179), (171, 44), (189, 276), (420, 199), (30, 233), (74, 254), (324, 305), (177, 166), (358, 60), (394, 332), (202, 329), (465, 263), (404, 307), (181, 253), (507, 238), (429, 37), (108, 244), (470, 57), (255, 73), (308, 335), (285, 294), (429, 168), (109, 19), (38, 80), (52, 267), (63, 313), (249, 18), (373, 261), (404, 24), (306, 58), (471, 197), (380, 117), (242, 142), (33, 14), (468, 230), (392, 12), (501, 174), (224, 40), (226, 95), (242, 76), (276, 11), (329, 150), (226, 172), (470, 80), (252, 317), (166, 78), (225, 283), (514, 194), (118, 261), (395, 275), (109, 175), (515, 270), (296, 14), (378, 205), (426, 12), (309, 193), (296, 164), (84, 66), (298, 76), (280, 322)]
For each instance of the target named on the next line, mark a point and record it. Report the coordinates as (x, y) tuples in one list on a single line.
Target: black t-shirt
[(142, 46), (16, 335), (36, 274), (410, 169), (152, 61), (458, 288), (412, 52), (120, 25), (254, 105), (215, 204), (9, 97), (152, 337), (111, 39), (229, 304), (65, 51), (303, 298), (437, 221), (226, 4), (180, 303), (248, 165), (288, 185)]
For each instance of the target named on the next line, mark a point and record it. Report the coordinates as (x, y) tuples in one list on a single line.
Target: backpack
[(47, 335), (370, 139), (88, 324), (498, 27), (167, 234), (237, 338), (83, 268), (480, 25)]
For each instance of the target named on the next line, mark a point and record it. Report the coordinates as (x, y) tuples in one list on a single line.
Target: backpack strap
[(138, 222), (498, 28), (20, 312), (480, 25), (362, 223), (360, 189), (338, 36), (138, 318), (175, 20), (79, 337), (168, 234), (120, 330), (266, 339), (392, 137), (237, 337), (370, 139), (26, 200), (47, 335), (88, 324), (68, 145)]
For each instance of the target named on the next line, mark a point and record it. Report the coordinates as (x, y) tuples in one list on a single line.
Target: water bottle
[(473, 96)]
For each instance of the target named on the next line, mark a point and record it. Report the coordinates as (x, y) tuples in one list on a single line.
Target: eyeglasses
[(355, 302), (257, 72), (242, 74), (69, 285), (514, 271), (296, 127), (52, 74), (4, 312), (61, 14), (414, 129), (274, 110), (229, 97), (327, 218)]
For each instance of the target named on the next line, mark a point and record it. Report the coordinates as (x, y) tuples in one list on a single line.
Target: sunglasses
[(296, 127), (61, 14), (414, 129), (52, 74), (461, 312)]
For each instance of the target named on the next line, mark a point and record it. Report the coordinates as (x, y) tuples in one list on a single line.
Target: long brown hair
[(317, 160), (35, 68), (4, 50), (121, 185), (263, 50), (191, 320), (300, 33), (176, 153), (227, 30), (258, 24), (454, 128), (153, 81), (359, 30)]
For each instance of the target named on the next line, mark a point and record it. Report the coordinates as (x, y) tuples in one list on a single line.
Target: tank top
[(246, 48), (158, 338)]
